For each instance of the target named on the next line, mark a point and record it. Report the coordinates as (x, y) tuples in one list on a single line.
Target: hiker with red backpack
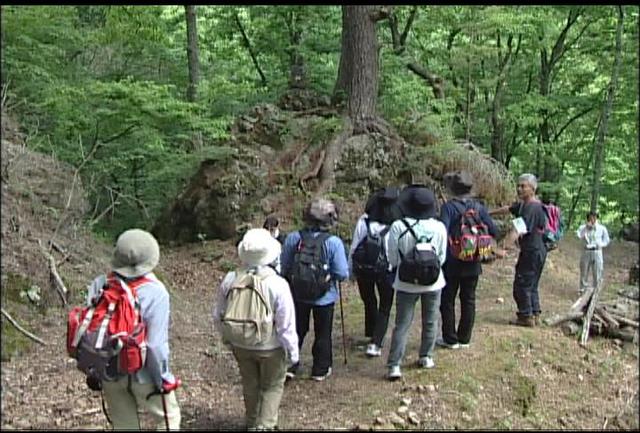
[(471, 231), (530, 223), (121, 338), (314, 261), (369, 264), (255, 315)]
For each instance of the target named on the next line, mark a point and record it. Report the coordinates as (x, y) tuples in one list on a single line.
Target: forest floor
[(509, 378)]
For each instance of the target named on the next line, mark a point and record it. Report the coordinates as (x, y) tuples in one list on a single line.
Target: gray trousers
[(591, 264), (405, 306)]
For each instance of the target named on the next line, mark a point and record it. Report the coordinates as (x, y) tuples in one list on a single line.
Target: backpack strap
[(105, 324), (410, 230), (83, 327)]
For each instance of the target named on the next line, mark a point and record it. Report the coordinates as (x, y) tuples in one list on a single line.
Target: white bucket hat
[(258, 248), (137, 253)]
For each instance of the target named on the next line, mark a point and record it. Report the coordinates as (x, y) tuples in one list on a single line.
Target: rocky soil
[(510, 378)]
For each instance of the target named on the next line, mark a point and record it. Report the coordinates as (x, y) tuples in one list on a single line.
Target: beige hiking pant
[(263, 374), (123, 405)]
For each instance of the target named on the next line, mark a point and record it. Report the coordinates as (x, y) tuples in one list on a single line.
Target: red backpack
[(108, 338), (470, 240)]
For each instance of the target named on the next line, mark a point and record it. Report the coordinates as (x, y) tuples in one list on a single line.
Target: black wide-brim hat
[(417, 201), (458, 182), (382, 205)]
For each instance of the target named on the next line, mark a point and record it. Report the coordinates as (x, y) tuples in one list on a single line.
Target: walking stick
[(164, 408), (344, 342)]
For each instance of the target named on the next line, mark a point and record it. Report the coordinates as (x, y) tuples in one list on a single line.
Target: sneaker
[(394, 373), (426, 362), (292, 371), (443, 343), (373, 350), (322, 377), (463, 345)]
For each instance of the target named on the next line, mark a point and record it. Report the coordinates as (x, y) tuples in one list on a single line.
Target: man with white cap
[(263, 365), (153, 387)]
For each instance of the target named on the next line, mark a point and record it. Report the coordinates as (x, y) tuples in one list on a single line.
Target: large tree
[(358, 70), (192, 52)]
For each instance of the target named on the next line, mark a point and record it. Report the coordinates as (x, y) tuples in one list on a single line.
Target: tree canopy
[(106, 88)]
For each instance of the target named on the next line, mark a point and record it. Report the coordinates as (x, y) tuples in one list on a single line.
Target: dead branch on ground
[(21, 329)]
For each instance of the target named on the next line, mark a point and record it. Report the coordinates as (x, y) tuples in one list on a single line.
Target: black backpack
[(309, 277), (369, 257), (421, 266)]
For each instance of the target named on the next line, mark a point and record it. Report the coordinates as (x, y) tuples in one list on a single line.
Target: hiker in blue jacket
[(319, 216), (458, 274)]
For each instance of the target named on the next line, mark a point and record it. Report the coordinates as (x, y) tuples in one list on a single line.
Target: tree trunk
[(358, 70), (599, 146), (297, 73), (192, 52)]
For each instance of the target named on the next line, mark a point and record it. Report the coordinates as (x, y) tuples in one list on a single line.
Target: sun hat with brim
[(258, 248), (136, 253), (417, 201), (458, 182), (382, 205), (320, 213)]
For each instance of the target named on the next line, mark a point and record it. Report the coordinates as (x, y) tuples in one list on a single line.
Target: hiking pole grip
[(344, 341)]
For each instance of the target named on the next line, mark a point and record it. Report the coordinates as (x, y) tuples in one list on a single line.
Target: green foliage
[(117, 75)]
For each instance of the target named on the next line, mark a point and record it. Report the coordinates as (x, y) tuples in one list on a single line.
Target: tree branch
[(570, 121), (407, 27), (20, 328), (247, 45)]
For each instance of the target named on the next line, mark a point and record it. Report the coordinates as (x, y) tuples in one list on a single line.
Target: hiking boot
[(321, 377), (442, 343), (394, 373), (373, 350), (526, 321), (426, 362)]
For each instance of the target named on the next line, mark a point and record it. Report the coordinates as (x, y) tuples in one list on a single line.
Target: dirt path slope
[(509, 378)]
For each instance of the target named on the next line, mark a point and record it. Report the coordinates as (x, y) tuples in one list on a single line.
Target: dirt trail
[(509, 378)]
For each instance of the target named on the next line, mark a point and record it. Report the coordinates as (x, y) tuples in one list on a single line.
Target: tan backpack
[(248, 317)]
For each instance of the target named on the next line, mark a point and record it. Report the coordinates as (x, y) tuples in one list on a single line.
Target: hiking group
[(401, 247)]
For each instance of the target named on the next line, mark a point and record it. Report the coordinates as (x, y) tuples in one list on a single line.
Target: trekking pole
[(164, 408), (344, 341)]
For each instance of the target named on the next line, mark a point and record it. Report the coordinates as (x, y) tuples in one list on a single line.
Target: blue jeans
[(405, 306)]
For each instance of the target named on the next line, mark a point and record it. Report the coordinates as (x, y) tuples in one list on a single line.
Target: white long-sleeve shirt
[(360, 232), (281, 304), (433, 228), (596, 237)]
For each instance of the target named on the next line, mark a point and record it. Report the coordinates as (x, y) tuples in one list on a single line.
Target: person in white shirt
[(263, 367), (595, 237), (371, 268), (418, 206)]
